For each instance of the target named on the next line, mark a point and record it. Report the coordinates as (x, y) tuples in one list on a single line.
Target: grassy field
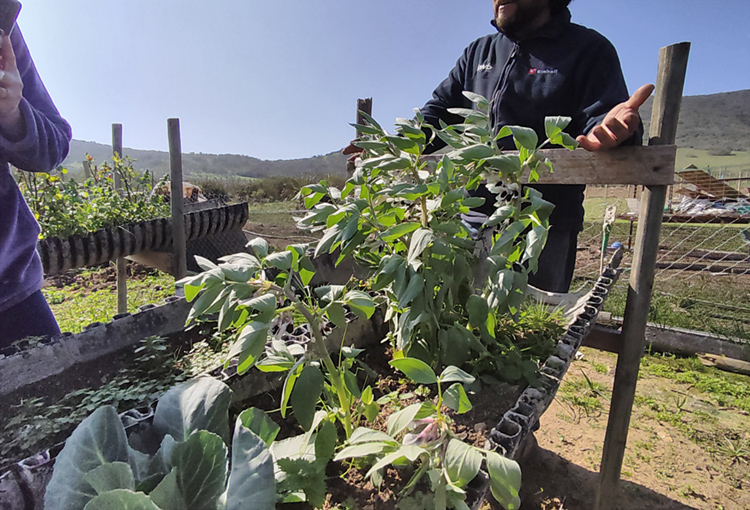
[(91, 296), (729, 166)]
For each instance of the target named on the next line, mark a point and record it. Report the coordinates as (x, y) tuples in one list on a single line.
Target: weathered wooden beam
[(665, 114), (648, 166), (625, 165)]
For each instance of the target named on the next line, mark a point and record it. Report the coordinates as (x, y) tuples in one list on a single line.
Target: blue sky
[(279, 79)]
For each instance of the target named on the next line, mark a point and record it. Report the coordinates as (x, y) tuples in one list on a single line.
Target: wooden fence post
[(179, 269), (121, 263), (363, 105), (669, 85)]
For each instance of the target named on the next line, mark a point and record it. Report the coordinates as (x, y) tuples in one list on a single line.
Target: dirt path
[(686, 449)]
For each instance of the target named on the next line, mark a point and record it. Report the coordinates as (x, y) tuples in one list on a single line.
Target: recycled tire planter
[(62, 254), (22, 484)]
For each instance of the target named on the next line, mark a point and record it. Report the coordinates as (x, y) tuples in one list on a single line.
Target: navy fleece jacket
[(42, 148), (561, 69)]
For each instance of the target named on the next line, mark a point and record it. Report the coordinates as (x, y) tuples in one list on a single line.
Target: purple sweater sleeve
[(43, 146), (47, 136)]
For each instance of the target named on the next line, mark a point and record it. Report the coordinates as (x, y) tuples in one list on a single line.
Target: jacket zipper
[(500, 86)]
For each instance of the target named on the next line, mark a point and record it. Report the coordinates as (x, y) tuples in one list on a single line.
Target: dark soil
[(95, 279)]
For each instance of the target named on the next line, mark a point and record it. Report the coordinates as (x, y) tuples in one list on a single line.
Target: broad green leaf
[(161, 463), (204, 301), (371, 145), (366, 435), (455, 398), (265, 304), (398, 421), (351, 383), (479, 100), (280, 260), (260, 424), (477, 308), (367, 397), (410, 452), (239, 273), (535, 241), (328, 242), (336, 314), (455, 374), (98, 440), (420, 240), (197, 479), (259, 247), (120, 499), (365, 450), (415, 369), (462, 462), (360, 302), (351, 352), (289, 382), (553, 126), (139, 463), (204, 263), (191, 291), (500, 215), (249, 345), (472, 153), (325, 442), (467, 113), (295, 447), (505, 480), (251, 480), (398, 230), (111, 476), (371, 411), (472, 202), (506, 164), (525, 138), (566, 141), (395, 164), (404, 144), (306, 394), (367, 130), (199, 404)]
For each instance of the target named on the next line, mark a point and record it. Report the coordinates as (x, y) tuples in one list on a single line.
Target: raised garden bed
[(447, 305)]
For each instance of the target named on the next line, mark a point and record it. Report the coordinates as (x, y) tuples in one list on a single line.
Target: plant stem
[(322, 351)]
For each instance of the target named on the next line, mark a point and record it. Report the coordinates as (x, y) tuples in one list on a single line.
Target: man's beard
[(520, 22)]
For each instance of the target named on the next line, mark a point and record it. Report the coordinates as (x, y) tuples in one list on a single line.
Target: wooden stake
[(363, 105), (121, 263), (669, 85), (179, 270)]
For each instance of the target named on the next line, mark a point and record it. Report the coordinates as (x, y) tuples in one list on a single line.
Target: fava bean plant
[(255, 294), (400, 215), (422, 434)]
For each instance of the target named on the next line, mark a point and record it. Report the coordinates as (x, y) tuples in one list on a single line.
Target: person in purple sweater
[(35, 138)]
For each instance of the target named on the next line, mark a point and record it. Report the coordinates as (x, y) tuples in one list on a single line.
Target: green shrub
[(64, 208)]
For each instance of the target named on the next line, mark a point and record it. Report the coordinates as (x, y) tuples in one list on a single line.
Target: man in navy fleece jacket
[(33, 137), (539, 64)]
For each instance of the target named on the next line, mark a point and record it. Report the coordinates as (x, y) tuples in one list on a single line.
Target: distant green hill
[(718, 123), (220, 165)]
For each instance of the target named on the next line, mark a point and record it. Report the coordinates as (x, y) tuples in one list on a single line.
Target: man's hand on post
[(618, 125)]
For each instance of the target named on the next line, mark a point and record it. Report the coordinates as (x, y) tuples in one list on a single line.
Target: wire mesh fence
[(702, 278)]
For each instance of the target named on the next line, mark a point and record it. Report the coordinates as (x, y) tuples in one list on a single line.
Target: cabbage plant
[(189, 465)]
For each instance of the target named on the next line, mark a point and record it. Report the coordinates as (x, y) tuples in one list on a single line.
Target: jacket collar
[(552, 29)]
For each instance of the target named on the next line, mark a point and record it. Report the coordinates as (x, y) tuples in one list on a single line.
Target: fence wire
[(702, 278)]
